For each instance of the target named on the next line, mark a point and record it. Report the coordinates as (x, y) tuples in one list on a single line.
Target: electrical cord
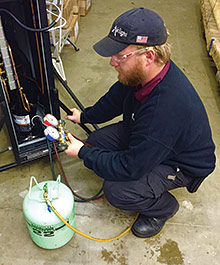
[(54, 14), (26, 27)]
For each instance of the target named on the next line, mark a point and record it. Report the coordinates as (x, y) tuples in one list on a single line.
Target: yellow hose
[(48, 202)]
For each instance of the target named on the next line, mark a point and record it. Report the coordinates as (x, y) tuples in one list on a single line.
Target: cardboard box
[(76, 6), (74, 28), (72, 22), (85, 6), (69, 21), (57, 2), (67, 9)]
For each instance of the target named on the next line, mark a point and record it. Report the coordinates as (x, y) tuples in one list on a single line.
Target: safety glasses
[(121, 58)]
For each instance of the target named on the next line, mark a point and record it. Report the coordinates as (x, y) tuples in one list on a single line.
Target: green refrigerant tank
[(46, 229)]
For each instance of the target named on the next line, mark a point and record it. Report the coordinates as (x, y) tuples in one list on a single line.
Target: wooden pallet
[(210, 10)]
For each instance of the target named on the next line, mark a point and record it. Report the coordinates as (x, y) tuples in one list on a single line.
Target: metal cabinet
[(27, 90)]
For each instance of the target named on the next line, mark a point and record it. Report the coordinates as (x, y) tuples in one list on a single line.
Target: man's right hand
[(75, 117)]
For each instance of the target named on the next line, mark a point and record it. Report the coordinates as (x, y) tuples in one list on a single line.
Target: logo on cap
[(116, 30), (141, 39)]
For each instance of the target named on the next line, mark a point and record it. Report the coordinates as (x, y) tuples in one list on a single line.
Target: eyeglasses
[(121, 58)]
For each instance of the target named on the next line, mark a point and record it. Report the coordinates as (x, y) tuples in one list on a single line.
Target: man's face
[(131, 71)]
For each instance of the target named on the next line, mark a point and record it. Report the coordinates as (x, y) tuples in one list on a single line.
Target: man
[(164, 140)]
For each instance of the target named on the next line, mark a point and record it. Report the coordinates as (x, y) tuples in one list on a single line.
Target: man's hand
[(74, 147), (75, 117)]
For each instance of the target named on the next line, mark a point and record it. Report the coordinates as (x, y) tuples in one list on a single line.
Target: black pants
[(148, 195)]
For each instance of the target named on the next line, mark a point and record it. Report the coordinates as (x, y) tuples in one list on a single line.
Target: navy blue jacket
[(171, 127)]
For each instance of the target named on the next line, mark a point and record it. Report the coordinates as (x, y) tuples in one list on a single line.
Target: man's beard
[(134, 77)]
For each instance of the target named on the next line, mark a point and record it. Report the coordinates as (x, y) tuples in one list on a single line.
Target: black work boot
[(146, 226)]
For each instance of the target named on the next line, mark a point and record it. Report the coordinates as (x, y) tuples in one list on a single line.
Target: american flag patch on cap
[(141, 39)]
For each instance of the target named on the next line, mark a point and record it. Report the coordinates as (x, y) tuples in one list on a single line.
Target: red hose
[(64, 176)]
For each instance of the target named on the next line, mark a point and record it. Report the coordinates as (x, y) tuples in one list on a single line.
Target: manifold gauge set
[(55, 131)]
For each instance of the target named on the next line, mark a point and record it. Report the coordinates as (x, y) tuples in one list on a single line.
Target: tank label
[(45, 231)]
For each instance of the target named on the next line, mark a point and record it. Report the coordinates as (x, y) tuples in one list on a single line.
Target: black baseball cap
[(138, 26)]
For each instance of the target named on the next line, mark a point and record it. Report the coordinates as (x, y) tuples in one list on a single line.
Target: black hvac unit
[(27, 91)]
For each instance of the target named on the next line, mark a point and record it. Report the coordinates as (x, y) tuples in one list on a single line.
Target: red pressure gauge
[(50, 120)]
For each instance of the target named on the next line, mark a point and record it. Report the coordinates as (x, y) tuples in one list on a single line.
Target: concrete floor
[(192, 236)]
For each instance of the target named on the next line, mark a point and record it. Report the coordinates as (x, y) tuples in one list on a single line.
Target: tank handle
[(34, 179), (55, 193)]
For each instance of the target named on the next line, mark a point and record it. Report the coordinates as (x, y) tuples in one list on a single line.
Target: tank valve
[(45, 195)]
